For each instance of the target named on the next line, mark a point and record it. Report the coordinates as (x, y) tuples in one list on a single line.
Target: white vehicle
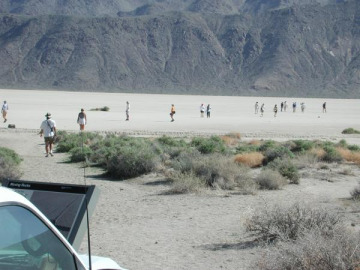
[(29, 241)]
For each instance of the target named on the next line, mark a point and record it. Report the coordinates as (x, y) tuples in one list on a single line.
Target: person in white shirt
[(202, 110), (4, 110), (48, 130)]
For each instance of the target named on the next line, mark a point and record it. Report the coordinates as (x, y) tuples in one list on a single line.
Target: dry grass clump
[(355, 193), (252, 159), (307, 239), (220, 172), (349, 155), (318, 152), (231, 138), (185, 183), (305, 160), (289, 223), (255, 142), (215, 171), (271, 180), (315, 250)]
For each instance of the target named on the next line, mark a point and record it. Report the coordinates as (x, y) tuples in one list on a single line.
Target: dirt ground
[(140, 228)]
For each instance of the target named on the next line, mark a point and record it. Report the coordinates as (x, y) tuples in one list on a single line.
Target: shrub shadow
[(235, 246), (165, 182)]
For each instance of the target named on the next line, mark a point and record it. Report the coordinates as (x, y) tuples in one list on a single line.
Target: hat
[(48, 115)]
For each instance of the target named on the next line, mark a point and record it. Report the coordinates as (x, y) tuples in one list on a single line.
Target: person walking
[(127, 111), (208, 110), (202, 110), (282, 106), (302, 107), (324, 107), (256, 107), (275, 110), (4, 110), (172, 112), (48, 130), (82, 120), (294, 106), (262, 109), (285, 106)]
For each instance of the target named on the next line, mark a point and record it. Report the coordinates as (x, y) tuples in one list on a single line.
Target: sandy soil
[(141, 229)]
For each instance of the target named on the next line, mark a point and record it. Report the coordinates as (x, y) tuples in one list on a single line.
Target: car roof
[(8, 195)]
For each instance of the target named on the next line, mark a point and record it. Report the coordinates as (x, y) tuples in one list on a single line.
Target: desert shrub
[(184, 162), (168, 148), (342, 143), (350, 131), (169, 141), (286, 168), (331, 154), (79, 154), (355, 193), (185, 183), (104, 149), (302, 146), (314, 250), (10, 156), (103, 109), (277, 152), (132, 161), (9, 164), (269, 179), (214, 144), (246, 148), (267, 145), (353, 147), (253, 159), (68, 141), (290, 223)]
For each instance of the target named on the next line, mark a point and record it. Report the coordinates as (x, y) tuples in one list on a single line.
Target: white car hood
[(98, 263)]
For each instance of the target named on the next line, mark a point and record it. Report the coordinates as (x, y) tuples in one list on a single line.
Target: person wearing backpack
[(48, 130)]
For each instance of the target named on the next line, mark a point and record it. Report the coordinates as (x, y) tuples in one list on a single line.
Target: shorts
[(49, 139)]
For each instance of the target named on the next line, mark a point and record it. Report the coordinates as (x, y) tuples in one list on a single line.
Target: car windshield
[(27, 243)]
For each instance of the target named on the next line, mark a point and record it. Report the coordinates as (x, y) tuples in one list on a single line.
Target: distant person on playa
[(285, 106), (208, 111), (282, 106), (202, 110), (127, 111), (294, 106), (275, 110), (262, 109), (172, 112), (82, 120), (256, 107), (302, 107), (48, 130), (4, 110), (324, 107)]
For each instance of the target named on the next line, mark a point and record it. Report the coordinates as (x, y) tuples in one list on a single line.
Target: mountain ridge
[(300, 50)]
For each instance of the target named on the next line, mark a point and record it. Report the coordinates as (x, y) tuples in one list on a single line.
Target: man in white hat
[(48, 129)]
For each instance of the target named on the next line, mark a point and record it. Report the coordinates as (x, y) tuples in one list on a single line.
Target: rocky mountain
[(221, 47)]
